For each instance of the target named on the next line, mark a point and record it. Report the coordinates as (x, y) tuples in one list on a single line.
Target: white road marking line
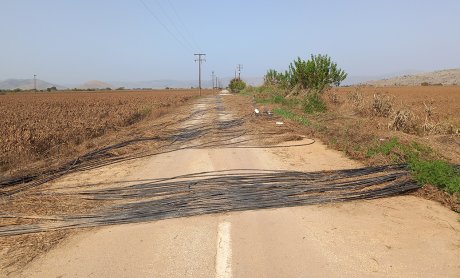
[(224, 251)]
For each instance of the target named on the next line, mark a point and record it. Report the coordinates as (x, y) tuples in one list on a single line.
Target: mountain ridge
[(27, 84), (444, 77)]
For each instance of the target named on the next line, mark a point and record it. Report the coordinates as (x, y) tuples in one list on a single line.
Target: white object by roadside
[(256, 111), (279, 123)]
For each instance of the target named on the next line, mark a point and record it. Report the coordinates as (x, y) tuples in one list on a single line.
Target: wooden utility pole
[(199, 60), (212, 76), (35, 82), (239, 67)]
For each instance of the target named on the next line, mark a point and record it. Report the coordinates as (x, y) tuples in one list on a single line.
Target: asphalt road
[(398, 237)]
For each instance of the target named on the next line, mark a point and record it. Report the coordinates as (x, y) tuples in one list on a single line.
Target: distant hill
[(444, 77), (26, 84), (95, 84)]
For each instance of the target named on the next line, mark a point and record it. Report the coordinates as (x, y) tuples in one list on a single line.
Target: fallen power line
[(223, 133), (215, 192), (199, 193)]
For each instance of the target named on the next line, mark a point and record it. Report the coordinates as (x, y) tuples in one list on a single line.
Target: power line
[(168, 18), (162, 24), (181, 22), (199, 60)]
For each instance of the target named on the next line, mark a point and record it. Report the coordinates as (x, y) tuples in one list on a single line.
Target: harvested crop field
[(36, 127), (445, 100), (429, 115)]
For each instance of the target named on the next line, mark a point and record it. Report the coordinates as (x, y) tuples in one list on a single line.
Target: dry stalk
[(382, 105), (403, 120)]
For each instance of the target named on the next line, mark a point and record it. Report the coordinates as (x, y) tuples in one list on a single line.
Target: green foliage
[(426, 171), (316, 74), (313, 103), (236, 85), (436, 172), (384, 148), (270, 95), (271, 78), (291, 116), (278, 99), (250, 91), (274, 78)]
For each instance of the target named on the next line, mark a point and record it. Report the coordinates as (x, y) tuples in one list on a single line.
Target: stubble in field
[(36, 127)]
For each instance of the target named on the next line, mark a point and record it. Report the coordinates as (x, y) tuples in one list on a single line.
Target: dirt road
[(400, 237)]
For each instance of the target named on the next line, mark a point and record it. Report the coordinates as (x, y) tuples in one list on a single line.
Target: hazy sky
[(72, 41)]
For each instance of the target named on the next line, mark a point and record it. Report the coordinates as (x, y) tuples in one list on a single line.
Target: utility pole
[(35, 82), (212, 76), (199, 60), (239, 67), (217, 83)]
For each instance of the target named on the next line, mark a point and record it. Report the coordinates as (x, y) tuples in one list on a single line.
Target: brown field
[(429, 115), (445, 100), (40, 126)]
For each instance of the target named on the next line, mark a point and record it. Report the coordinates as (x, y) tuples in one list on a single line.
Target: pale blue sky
[(72, 41)]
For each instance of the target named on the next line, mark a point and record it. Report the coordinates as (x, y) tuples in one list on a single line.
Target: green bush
[(315, 74), (384, 148), (313, 103), (425, 169), (436, 172), (291, 116), (236, 85)]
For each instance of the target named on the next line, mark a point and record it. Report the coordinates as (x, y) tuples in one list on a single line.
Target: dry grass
[(45, 126), (429, 115), (382, 105), (413, 110), (403, 120), (357, 100)]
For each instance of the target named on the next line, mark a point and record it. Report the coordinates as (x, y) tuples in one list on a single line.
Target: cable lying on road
[(223, 133), (215, 192)]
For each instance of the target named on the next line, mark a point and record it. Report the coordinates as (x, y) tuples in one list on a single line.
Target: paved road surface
[(398, 237)]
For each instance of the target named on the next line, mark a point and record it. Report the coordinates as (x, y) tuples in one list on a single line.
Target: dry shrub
[(333, 97), (453, 130), (356, 98), (429, 109), (430, 128), (403, 120), (382, 105)]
